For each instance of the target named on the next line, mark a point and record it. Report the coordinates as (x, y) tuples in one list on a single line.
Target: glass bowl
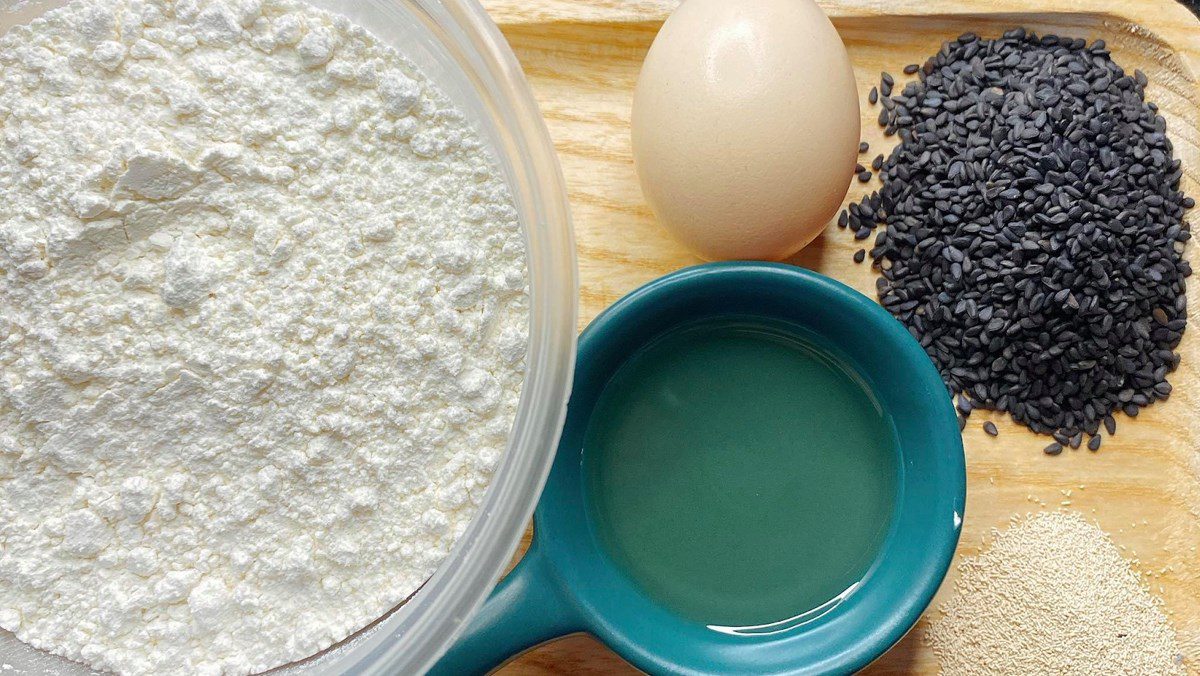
[(461, 49)]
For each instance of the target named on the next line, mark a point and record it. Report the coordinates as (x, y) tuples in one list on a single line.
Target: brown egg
[(745, 126)]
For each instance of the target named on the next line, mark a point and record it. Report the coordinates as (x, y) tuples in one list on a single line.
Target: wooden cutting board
[(582, 58)]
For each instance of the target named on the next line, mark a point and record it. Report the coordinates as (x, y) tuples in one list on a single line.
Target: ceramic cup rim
[(916, 554)]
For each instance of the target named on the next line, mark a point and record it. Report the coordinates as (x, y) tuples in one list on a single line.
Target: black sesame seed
[(1094, 443), (877, 163), (911, 68), (1032, 230), (964, 405), (1053, 449), (864, 176), (1110, 425), (860, 255), (863, 147), (873, 96), (858, 168), (990, 428)]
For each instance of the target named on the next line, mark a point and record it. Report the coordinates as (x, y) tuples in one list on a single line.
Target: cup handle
[(524, 610)]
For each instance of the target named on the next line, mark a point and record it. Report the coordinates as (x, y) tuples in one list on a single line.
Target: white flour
[(262, 331)]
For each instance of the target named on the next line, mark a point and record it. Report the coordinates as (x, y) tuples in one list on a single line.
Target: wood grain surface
[(582, 58)]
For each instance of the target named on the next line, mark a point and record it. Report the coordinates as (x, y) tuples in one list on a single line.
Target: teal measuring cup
[(568, 583)]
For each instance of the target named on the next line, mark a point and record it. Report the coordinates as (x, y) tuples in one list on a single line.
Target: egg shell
[(745, 126)]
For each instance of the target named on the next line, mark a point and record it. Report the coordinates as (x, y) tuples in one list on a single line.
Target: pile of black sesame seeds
[(1034, 231)]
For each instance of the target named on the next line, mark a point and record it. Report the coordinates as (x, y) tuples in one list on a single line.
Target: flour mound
[(263, 317)]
